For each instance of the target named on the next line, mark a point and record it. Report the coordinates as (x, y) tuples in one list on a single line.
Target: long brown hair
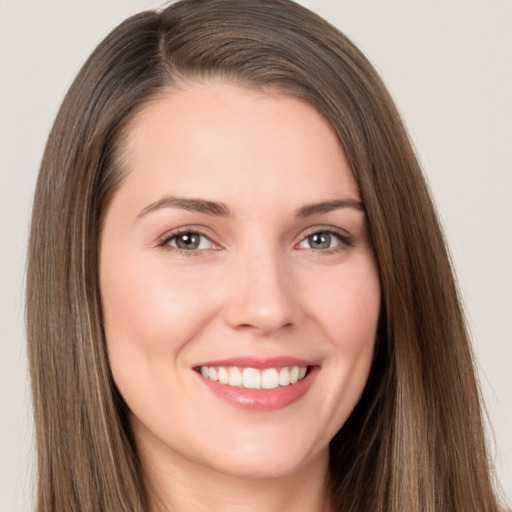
[(415, 440)]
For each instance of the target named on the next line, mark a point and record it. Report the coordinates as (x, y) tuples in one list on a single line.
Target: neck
[(185, 486)]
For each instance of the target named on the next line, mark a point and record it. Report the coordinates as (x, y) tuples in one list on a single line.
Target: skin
[(256, 286)]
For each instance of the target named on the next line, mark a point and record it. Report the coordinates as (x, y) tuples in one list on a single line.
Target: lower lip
[(262, 399)]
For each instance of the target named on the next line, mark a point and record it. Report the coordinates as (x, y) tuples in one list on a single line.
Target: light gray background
[(448, 65)]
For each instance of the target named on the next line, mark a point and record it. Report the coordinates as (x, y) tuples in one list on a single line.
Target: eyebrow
[(328, 206), (220, 209), (191, 204)]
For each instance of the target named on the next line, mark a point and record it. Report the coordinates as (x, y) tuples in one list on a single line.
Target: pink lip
[(259, 363), (260, 399)]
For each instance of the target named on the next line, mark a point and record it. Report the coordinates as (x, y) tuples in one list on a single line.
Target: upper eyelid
[(324, 229), (200, 230), (203, 230)]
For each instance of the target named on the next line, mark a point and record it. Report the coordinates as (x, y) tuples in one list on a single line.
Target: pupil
[(320, 241), (188, 241)]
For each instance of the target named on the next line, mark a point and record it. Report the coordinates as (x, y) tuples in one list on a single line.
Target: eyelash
[(345, 240)]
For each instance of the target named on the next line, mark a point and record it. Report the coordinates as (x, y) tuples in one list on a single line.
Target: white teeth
[(270, 379), (223, 376), (252, 378), (284, 377), (235, 377)]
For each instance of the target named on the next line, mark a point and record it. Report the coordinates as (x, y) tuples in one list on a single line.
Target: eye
[(188, 241), (324, 240)]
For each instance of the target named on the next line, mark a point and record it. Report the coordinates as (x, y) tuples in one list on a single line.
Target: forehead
[(217, 139)]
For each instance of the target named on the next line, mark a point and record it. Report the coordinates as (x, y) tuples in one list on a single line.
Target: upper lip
[(259, 362)]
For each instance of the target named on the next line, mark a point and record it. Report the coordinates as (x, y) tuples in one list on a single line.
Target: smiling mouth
[(254, 378), (258, 383)]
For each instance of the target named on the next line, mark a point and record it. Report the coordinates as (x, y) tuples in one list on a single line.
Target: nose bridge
[(261, 289)]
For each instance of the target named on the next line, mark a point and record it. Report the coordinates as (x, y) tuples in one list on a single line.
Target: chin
[(267, 459)]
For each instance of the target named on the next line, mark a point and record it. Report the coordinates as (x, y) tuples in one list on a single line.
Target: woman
[(237, 283)]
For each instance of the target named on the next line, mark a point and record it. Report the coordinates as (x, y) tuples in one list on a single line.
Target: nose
[(262, 295)]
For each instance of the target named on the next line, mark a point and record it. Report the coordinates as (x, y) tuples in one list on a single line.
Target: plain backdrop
[(448, 65)]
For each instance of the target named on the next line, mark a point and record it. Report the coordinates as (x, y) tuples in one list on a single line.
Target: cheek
[(152, 312), (350, 311), (348, 305)]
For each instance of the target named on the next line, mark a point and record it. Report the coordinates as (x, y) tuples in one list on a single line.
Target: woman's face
[(235, 260)]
